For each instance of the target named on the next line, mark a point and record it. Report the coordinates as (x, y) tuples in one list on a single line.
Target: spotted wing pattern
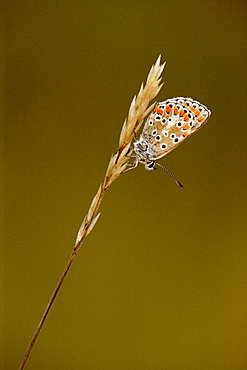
[(170, 123)]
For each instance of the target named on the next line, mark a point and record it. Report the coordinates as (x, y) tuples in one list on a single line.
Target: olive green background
[(160, 283)]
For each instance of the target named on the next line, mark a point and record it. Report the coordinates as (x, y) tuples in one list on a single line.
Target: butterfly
[(169, 124)]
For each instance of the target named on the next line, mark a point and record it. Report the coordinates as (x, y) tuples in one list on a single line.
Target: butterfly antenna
[(172, 176)]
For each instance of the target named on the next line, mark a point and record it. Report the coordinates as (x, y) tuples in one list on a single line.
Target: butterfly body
[(169, 124)]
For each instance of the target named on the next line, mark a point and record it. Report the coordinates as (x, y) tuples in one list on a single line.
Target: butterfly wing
[(171, 122)]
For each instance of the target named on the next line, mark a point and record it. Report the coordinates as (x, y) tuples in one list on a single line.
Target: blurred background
[(161, 281)]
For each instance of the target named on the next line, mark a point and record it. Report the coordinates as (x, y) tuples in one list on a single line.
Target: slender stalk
[(118, 162), (54, 294)]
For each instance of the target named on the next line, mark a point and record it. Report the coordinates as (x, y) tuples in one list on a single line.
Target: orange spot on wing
[(185, 134), (186, 126), (182, 114), (168, 109), (186, 118), (201, 119), (176, 110), (197, 113), (158, 110)]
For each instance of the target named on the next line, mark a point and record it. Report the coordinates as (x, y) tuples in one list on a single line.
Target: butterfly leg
[(132, 166)]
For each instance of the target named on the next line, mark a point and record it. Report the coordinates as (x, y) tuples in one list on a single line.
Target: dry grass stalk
[(139, 109)]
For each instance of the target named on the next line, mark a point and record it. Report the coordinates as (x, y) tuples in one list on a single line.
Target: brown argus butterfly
[(169, 124)]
